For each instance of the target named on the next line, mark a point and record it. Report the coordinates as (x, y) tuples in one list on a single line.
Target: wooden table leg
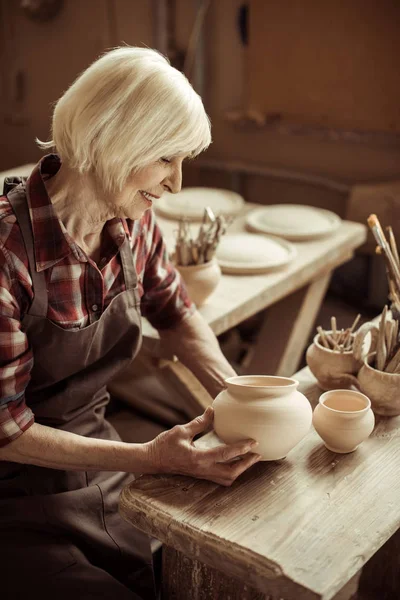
[(380, 577), (286, 329), (184, 578)]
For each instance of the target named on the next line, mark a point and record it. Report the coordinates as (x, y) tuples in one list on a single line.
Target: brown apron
[(60, 531)]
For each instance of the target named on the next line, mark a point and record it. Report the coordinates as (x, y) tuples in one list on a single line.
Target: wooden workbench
[(298, 529), (292, 295)]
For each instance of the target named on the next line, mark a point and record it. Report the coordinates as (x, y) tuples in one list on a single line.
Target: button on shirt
[(79, 290)]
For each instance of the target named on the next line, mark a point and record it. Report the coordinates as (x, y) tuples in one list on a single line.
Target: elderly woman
[(81, 258)]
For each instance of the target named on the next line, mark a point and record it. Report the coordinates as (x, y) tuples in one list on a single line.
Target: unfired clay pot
[(201, 280), (267, 409), (382, 388), (343, 419), (332, 369)]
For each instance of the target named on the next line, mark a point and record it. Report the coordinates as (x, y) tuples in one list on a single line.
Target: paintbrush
[(381, 240)]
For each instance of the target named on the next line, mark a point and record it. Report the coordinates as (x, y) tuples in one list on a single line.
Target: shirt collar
[(51, 240)]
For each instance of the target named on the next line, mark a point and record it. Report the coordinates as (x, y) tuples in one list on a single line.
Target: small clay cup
[(382, 388), (343, 419), (332, 369), (200, 280)]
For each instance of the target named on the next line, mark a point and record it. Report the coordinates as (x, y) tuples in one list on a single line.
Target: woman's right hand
[(173, 451)]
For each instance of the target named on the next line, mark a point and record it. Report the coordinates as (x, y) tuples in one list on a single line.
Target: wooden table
[(298, 529), (293, 297)]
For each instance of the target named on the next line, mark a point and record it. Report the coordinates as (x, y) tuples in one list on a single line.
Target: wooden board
[(303, 526)]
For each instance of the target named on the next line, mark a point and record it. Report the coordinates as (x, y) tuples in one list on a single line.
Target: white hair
[(128, 109)]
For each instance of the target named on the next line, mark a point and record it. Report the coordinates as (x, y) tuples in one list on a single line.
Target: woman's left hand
[(173, 451)]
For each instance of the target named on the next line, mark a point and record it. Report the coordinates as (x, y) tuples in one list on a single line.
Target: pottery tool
[(382, 242), (381, 349), (338, 340), (333, 325), (390, 342), (332, 341), (393, 245), (348, 340), (394, 364), (202, 248), (322, 336)]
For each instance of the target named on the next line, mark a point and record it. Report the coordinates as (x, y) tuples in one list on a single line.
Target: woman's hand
[(173, 451)]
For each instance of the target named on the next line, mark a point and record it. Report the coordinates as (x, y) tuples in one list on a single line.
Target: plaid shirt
[(72, 303)]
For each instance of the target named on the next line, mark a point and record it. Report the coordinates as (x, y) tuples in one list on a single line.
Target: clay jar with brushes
[(379, 377), (330, 357), (194, 257), (200, 280), (382, 387)]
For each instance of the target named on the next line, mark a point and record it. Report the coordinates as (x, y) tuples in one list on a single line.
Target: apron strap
[(128, 265), (18, 200)]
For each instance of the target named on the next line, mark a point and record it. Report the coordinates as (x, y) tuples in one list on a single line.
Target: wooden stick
[(396, 333), (389, 329), (376, 229), (322, 336), (349, 343), (394, 364), (341, 336), (333, 342), (381, 352), (394, 338), (346, 337), (393, 245), (333, 326), (355, 323)]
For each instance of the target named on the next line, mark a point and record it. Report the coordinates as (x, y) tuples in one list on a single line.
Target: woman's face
[(148, 184)]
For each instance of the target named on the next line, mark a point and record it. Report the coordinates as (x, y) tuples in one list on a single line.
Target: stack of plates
[(250, 253), (294, 222), (191, 202)]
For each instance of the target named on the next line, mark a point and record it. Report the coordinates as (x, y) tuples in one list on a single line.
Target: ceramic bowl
[(343, 419)]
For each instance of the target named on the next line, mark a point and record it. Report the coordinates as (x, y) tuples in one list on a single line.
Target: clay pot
[(265, 408), (201, 280), (382, 388), (343, 419), (332, 369)]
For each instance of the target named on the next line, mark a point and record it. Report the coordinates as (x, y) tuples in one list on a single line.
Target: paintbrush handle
[(381, 350)]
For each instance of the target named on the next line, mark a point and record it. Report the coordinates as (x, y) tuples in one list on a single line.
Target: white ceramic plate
[(192, 201), (243, 253), (295, 222)]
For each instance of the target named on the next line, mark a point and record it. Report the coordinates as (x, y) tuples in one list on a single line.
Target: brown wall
[(330, 64), (39, 60)]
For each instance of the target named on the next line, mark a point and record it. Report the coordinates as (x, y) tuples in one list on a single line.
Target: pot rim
[(368, 366), (243, 381), (329, 331), (323, 396), (199, 267)]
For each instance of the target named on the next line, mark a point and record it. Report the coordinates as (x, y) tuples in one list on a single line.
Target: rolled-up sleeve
[(16, 361), (165, 301)]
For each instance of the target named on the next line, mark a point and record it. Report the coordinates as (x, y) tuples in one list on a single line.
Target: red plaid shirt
[(72, 304)]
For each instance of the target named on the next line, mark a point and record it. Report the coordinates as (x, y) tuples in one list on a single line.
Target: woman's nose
[(173, 182)]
